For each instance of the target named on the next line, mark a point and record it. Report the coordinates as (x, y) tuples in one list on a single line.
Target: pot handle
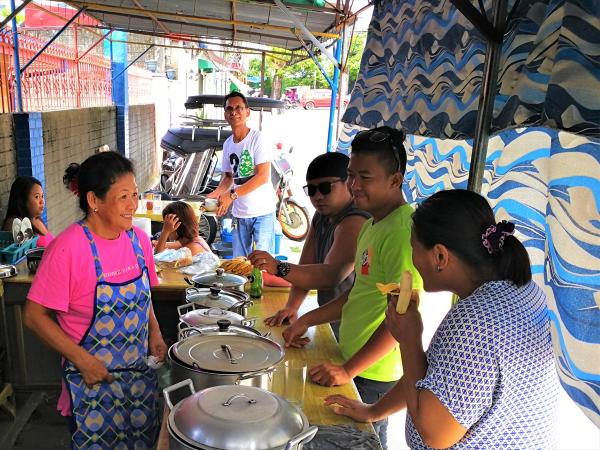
[(183, 309), (190, 282), (241, 304), (303, 438), (185, 331), (249, 322), (248, 375), (167, 391)]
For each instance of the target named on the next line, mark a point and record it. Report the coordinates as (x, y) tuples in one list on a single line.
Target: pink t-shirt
[(44, 240), (66, 278)]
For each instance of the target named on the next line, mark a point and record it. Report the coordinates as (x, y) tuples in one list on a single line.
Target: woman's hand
[(156, 345), (407, 327), (263, 261), (288, 314), (293, 335), (355, 409), (93, 370), (170, 223)]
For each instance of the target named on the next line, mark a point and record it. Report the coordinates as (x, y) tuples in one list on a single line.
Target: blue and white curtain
[(422, 70)]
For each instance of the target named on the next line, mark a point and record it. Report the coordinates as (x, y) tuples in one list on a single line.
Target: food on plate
[(239, 266)]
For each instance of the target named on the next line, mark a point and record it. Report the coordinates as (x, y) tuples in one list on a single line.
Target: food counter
[(34, 365)]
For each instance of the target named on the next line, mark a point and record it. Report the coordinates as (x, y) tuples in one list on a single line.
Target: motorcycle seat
[(189, 140)]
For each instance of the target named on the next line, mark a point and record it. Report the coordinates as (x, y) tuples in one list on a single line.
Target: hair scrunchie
[(493, 238)]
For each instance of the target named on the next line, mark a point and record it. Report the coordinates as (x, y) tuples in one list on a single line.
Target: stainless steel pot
[(194, 314), (217, 297), (228, 280), (225, 358), (234, 418)]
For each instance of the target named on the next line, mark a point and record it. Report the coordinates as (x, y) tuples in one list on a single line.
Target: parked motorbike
[(289, 103)]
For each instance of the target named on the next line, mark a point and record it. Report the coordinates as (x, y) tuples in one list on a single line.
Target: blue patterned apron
[(121, 414)]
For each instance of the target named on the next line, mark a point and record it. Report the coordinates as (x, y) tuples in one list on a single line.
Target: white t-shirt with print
[(240, 160)]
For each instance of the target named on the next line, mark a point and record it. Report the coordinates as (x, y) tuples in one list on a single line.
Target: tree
[(306, 72)]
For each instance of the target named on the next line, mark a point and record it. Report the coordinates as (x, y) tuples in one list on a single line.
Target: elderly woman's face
[(35, 201), (119, 205)]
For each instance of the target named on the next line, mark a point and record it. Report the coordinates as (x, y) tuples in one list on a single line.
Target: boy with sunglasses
[(246, 181), (327, 259), (383, 252)]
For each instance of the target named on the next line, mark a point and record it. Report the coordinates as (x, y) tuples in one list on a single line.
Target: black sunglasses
[(377, 137), (324, 187)]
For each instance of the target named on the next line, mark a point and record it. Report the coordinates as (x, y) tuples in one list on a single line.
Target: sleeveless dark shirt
[(324, 230)]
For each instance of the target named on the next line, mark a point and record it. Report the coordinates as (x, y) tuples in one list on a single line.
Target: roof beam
[(151, 16), (233, 18), (186, 18), (13, 14)]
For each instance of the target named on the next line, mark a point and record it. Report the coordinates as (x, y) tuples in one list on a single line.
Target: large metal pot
[(194, 314), (222, 326), (217, 297), (235, 418), (224, 358), (228, 280)]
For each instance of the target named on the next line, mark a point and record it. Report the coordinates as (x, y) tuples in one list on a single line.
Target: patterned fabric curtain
[(421, 71), (423, 61)]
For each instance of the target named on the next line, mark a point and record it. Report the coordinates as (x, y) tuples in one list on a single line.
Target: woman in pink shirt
[(27, 200), (95, 277)]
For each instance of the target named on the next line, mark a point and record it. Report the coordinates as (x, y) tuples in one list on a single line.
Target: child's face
[(369, 182)]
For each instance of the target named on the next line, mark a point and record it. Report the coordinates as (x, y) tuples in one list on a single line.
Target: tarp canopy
[(255, 21), (422, 71)]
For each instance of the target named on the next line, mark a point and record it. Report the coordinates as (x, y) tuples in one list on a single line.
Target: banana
[(405, 292)]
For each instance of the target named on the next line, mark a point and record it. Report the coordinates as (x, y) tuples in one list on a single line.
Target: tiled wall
[(143, 149), (8, 161), (71, 136)]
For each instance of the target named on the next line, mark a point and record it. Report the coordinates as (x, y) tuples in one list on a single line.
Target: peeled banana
[(403, 290)]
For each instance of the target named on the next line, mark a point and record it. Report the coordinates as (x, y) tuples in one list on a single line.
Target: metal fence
[(59, 79)]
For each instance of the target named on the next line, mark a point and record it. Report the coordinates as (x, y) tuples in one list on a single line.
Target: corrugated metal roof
[(260, 22)]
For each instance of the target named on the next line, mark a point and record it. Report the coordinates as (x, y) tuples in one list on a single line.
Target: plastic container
[(13, 253), (226, 236)]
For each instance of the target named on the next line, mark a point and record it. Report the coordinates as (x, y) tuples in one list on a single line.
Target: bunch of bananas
[(239, 266)]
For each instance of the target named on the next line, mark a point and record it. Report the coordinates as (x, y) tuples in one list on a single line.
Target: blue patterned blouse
[(491, 365)]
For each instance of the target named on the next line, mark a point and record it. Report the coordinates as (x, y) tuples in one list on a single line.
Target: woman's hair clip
[(493, 238)]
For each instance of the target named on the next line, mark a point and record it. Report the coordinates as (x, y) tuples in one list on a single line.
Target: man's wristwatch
[(283, 268), (233, 195)]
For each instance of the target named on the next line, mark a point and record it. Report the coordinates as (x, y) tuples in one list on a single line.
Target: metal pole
[(486, 100), (17, 63), (132, 62), (52, 39), (262, 74), (77, 79), (332, 109), (13, 13)]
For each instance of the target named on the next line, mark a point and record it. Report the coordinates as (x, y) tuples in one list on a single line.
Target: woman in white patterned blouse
[(487, 380)]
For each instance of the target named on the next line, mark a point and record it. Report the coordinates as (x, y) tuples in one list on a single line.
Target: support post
[(120, 90), (334, 88), (17, 62), (486, 100), (263, 63), (77, 79)]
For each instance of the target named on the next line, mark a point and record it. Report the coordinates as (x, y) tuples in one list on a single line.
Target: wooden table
[(322, 348)]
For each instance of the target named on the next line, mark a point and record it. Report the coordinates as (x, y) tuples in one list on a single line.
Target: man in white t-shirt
[(246, 181)]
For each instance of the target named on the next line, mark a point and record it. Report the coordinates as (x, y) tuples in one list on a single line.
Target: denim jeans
[(260, 230), (370, 391)]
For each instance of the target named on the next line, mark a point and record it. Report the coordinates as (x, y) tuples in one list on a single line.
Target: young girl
[(27, 200), (180, 225)]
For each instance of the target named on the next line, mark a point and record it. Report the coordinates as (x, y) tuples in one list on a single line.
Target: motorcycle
[(289, 103), (294, 218)]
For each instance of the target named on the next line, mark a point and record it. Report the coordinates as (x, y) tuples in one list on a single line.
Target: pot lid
[(213, 297), (220, 276), (206, 316), (236, 417), (228, 353)]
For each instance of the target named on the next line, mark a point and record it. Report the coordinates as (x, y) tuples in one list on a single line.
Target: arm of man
[(262, 173), (323, 314), (224, 185), (297, 294), (338, 263)]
